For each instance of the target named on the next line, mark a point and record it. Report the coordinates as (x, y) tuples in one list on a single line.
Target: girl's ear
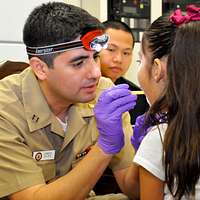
[(159, 69), (39, 67)]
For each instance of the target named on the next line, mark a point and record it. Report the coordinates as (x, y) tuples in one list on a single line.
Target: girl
[(169, 156)]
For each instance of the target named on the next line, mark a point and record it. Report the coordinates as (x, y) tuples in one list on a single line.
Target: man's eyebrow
[(78, 58), (112, 44), (116, 46), (129, 49)]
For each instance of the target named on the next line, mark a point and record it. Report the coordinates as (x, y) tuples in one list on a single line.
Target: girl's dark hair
[(181, 98), (159, 37), (182, 138)]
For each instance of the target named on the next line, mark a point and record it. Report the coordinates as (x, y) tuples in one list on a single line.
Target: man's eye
[(127, 53), (110, 49), (79, 63)]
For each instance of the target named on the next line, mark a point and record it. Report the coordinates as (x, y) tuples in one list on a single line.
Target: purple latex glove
[(140, 130), (143, 126), (108, 111)]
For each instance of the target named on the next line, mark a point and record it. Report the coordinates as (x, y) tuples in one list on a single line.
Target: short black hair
[(118, 25), (55, 22)]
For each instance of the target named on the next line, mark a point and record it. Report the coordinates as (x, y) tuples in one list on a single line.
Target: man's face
[(116, 59), (74, 77)]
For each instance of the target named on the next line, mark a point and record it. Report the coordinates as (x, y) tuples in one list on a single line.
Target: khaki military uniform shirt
[(34, 148)]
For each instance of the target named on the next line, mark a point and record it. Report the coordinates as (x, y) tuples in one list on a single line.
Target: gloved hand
[(140, 130), (143, 126), (108, 111)]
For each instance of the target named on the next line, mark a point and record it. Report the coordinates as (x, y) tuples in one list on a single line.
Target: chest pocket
[(48, 169)]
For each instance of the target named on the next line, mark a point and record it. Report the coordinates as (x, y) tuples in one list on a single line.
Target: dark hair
[(159, 37), (119, 25), (182, 139), (181, 98), (53, 23)]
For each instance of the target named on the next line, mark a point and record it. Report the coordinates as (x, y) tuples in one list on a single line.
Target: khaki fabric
[(27, 126), (119, 196)]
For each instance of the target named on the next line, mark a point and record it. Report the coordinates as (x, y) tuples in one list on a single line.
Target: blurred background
[(138, 14)]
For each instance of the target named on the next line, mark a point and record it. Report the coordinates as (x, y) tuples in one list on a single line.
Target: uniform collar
[(37, 111)]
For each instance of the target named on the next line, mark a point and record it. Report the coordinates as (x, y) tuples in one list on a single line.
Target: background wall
[(14, 13), (156, 11), (12, 18)]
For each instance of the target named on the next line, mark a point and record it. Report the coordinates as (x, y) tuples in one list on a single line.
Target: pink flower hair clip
[(192, 14)]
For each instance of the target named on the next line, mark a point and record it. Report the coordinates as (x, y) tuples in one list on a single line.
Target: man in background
[(116, 59)]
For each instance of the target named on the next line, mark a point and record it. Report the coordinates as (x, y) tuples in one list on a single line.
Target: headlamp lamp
[(93, 40)]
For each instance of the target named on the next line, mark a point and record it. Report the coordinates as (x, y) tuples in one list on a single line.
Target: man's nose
[(94, 69), (118, 56)]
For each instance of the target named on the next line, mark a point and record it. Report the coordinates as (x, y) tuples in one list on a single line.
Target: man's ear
[(159, 69), (39, 67)]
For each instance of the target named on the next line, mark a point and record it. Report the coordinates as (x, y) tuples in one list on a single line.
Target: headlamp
[(93, 40)]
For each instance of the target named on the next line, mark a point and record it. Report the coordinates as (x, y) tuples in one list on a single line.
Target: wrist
[(102, 151)]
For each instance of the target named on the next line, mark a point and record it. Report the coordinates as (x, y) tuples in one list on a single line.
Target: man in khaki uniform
[(50, 145)]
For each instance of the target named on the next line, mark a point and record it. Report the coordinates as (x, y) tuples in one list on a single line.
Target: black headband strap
[(54, 48)]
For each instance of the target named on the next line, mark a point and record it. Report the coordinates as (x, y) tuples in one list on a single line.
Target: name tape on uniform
[(44, 155)]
